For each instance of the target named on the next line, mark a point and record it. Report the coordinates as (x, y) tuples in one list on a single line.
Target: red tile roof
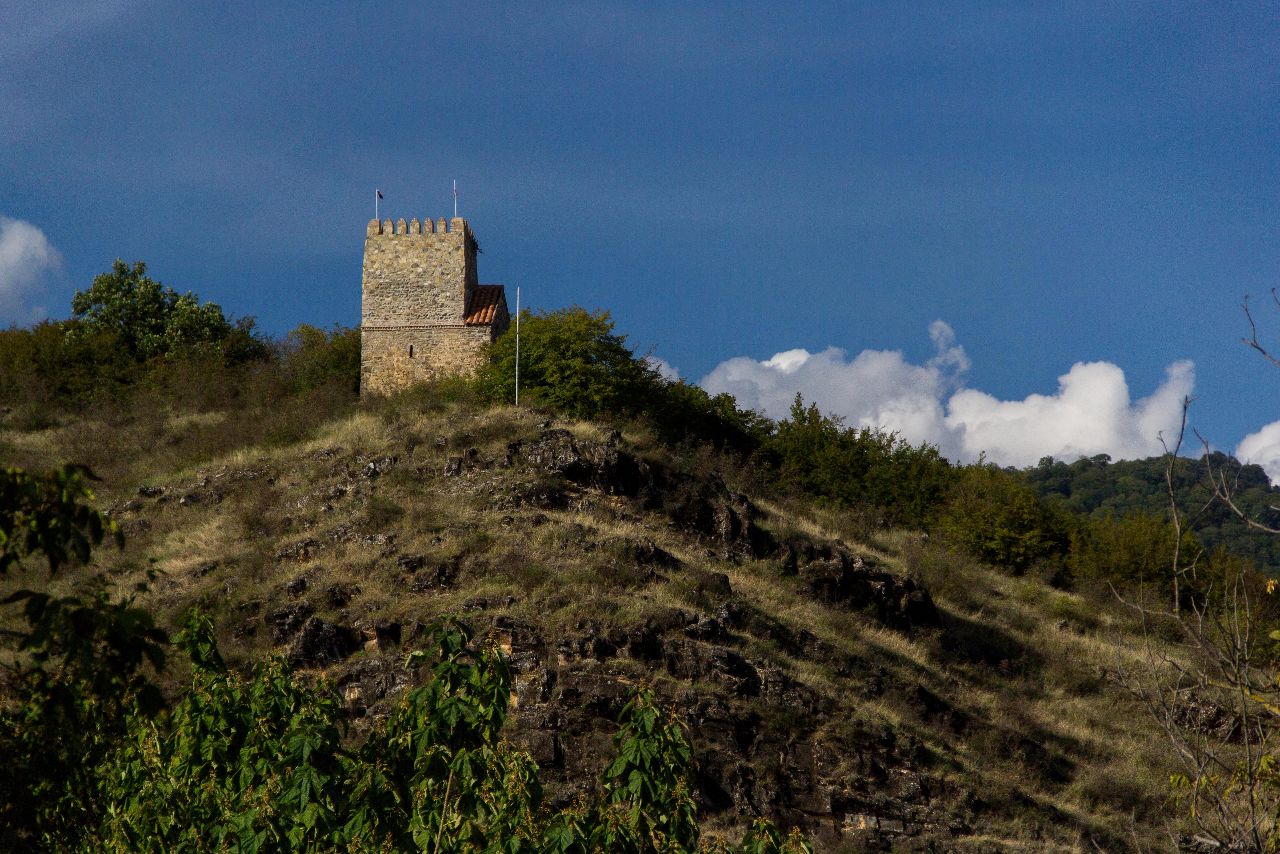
[(482, 309)]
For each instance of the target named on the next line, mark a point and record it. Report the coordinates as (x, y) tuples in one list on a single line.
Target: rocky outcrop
[(320, 643), (702, 506), (764, 742)]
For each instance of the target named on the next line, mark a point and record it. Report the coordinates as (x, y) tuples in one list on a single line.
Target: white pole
[(375, 204), (517, 346), (455, 198)]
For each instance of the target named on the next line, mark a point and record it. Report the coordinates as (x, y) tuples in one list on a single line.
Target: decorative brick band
[(368, 327)]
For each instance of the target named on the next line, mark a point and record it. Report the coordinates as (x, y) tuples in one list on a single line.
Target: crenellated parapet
[(396, 228)]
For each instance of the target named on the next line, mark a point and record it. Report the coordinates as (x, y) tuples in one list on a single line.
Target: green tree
[(857, 468), (313, 357), (998, 518), (72, 671), (573, 360), (147, 318)]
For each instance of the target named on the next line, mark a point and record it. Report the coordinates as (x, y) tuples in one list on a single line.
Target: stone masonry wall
[(386, 363), (417, 280), (416, 274)]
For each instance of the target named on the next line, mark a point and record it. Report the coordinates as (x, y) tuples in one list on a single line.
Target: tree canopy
[(571, 359), (146, 318)]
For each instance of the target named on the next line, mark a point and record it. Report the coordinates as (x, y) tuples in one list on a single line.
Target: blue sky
[(1058, 184)]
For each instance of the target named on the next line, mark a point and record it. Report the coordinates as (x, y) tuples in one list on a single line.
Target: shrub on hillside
[(682, 413), (574, 361), (1134, 548), (570, 359), (59, 361), (996, 517), (312, 358), (857, 468)]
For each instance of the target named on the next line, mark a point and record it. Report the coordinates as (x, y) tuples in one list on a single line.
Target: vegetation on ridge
[(306, 522)]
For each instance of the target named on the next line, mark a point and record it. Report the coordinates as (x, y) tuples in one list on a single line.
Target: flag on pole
[(377, 196), (379, 192)]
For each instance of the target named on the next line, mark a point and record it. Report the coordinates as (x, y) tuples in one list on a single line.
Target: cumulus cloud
[(1262, 448), (1090, 413), (26, 257), (664, 368)]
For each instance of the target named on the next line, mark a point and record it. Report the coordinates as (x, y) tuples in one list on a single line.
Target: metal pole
[(375, 204), (455, 198), (517, 346)]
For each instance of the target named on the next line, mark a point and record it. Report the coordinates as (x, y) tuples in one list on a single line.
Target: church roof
[(482, 308)]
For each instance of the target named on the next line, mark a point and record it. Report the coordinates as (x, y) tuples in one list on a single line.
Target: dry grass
[(1016, 661)]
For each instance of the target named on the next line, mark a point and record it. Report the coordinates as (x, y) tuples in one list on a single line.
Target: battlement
[(387, 228)]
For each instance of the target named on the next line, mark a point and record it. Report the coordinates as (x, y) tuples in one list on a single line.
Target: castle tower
[(422, 312)]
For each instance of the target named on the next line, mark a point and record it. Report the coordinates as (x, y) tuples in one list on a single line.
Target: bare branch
[(1252, 340), (1224, 492)]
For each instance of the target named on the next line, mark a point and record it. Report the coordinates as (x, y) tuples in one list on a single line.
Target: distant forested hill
[(1097, 486)]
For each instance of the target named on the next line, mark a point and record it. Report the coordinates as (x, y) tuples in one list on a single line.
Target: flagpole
[(455, 201), (375, 203), (517, 345)]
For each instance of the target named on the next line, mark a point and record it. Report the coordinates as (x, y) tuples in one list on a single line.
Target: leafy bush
[(313, 358), (74, 668), (680, 413), (1135, 548), (994, 516), (574, 361), (570, 359), (819, 456)]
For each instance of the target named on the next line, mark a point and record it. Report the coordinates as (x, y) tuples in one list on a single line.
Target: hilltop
[(865, 641), (874, 690)]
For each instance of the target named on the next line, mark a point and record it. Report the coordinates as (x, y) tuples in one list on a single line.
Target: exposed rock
[(339, 595), (297, 551), (287, 621), (697, 661), (387, 633), (320, 643), (378, 467), (847, 580), (438, 577), (702, 506), (644, 553), (411, 563), (711, 585)]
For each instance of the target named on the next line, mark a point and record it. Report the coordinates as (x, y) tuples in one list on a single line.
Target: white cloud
[(26, 257), (877, 388), (1262, 448), (664, 368), (1090, 413)]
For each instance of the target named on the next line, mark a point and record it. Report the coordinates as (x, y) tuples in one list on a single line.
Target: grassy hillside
[(868, 685)]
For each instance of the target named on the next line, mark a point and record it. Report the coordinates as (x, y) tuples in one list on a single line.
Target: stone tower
[(422, 312)]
